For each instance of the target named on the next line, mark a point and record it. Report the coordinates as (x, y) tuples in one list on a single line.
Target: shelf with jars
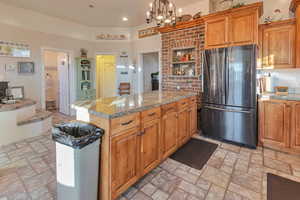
[(184, 62)]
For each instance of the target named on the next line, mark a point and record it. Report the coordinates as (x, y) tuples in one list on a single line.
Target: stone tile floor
[(27, 172)]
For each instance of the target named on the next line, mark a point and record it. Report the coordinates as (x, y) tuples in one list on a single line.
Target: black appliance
[(229, 109), (154, 81), (3, 89)]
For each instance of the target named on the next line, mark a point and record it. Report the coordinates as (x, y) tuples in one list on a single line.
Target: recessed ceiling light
[(125, 19), (91, 6)]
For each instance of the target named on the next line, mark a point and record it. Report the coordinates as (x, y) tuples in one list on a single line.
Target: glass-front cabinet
[(184, 62), (85, 80)]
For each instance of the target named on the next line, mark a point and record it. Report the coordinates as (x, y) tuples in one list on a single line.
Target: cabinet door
[(124, 160), (279, 47), (216, 32), (275, 127), (295, 137), (169, 134), (193, 120), (150, 139), (243, 28), (183, 126)]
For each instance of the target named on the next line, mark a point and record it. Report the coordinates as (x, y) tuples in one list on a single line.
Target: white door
[(64, 95)]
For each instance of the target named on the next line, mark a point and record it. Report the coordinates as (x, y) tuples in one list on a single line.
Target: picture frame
[(26, 68), (17, 92)]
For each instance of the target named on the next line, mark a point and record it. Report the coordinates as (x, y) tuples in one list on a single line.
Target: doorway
[(57, 81), (106, 76), (150, 71)]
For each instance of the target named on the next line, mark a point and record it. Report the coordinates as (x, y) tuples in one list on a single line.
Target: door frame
[(71, 74), (99, 53), (141, 71)]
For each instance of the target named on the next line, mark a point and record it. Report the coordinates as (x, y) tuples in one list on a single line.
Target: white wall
[(31, 20)]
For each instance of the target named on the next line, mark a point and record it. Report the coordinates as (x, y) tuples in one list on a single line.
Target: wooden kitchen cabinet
[(125, 153), (275, 117), (233, 27), (150, 145), (295, 135), (169, 131), (295, 7), (243, 28), (216, 32), (183, 126), (278, 44), (193, 119)]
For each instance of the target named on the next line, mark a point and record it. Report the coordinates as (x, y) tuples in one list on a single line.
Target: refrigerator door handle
[(227, 110)]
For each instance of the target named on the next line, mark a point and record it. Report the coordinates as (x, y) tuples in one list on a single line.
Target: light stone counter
[(122, 105)]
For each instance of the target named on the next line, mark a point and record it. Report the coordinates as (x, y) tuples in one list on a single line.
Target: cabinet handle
[(151, 114), (127, 123), (141, 133)]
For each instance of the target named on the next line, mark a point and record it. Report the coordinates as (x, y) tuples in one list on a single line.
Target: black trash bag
[(76, 134)]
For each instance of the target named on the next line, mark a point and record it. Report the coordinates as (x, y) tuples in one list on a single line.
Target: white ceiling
[(106, 13)]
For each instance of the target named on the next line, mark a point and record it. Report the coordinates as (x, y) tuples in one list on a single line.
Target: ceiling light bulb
[(125, 19), (151, 5), (159, 17), (180, 10), (170, 5), (167, 21)]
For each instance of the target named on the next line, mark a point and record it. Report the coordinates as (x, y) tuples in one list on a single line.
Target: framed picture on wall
[(26, 67)]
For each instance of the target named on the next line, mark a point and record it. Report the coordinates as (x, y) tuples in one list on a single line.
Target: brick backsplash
[(182, 39)]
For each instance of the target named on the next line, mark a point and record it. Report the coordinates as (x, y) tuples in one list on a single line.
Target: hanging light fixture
[(163, 12)]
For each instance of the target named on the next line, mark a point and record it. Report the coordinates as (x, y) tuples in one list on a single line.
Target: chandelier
[(163, 12)]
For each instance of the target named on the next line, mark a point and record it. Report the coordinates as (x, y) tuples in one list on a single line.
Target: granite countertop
[(121, 105), (20, 104), (289, 97)]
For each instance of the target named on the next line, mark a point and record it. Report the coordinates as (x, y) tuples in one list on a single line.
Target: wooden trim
[(279, 23), (196, 22), (294, 5), (181, 25)]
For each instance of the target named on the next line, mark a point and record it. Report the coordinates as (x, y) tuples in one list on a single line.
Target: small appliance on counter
[(3, 90)]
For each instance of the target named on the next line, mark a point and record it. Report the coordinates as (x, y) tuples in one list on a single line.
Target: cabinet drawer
[(151, 114), (168, 108), (193, 100), (182, 104), (125, 122)]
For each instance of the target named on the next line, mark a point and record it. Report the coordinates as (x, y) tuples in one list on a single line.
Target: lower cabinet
[(169, 133), (295, 137), (193, 119), (275, 127), (144, 143), (150, 142), (183, 126), (124, 160), (279, 125)]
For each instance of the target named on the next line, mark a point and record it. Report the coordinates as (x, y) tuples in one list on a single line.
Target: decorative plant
[(238, 5)]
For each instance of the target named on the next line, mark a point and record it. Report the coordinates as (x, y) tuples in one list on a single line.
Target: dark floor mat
[(195, 153), (280, 188)]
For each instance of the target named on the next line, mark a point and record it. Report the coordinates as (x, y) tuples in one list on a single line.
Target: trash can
[(77, 160)]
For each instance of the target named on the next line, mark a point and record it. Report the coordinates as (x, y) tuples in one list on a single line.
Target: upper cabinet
[(244, 28), (277, 45), (295, 7), (216, 32), (232, 27)]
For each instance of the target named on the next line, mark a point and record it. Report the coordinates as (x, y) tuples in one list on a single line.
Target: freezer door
[(241, 76), (230, 123), (214, 62)]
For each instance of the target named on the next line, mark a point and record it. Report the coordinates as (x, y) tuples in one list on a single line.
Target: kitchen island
[(140, 132)]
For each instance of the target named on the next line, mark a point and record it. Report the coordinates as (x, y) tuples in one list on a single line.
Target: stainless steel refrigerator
[(229, 110)]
